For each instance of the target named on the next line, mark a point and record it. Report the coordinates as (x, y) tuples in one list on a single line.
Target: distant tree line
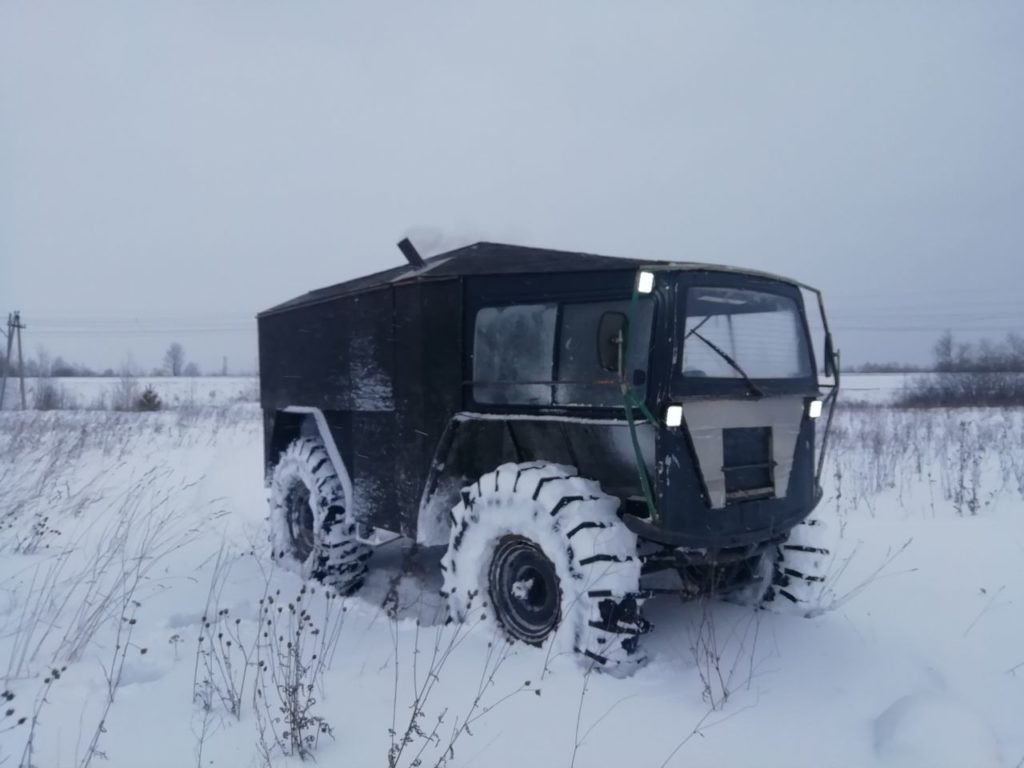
[(985, 356), (984, 373), (952, 356), (886, 368), (43, 366)]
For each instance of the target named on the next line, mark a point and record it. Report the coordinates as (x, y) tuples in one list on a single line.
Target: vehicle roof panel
[(495, 259)]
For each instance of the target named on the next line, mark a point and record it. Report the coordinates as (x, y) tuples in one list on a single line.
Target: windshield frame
[(737, 386)]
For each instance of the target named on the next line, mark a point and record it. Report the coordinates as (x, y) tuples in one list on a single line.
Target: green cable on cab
[(633, 400)]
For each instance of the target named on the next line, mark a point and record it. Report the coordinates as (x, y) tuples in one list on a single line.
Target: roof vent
[(411, 254)]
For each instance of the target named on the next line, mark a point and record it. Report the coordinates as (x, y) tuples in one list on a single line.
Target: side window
[(513, 350), (582, 379)]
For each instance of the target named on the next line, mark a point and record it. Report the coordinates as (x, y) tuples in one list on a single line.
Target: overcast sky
[(168, 169)]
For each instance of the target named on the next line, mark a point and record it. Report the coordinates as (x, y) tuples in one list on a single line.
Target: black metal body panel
[(389, 361), (598, 449), (428, 350)]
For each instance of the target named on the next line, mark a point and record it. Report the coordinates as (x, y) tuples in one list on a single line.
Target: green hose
[(633, 400)]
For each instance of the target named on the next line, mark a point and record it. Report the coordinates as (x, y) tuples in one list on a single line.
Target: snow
[(932, 730), (917, 659), (371, 386), (176, 392)]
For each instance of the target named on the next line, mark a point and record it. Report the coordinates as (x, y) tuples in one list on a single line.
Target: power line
[(79, 333), (923, 329), (903, 292), (911, 312)]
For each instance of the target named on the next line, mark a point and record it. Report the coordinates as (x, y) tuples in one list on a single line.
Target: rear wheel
[(545, 554), (311, 532)]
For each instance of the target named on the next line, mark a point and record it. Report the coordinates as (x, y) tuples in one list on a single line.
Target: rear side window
[(513, 354)]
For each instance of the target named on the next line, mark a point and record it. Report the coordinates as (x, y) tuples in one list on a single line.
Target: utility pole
[(21, 364), (14, 326), (7, 363)]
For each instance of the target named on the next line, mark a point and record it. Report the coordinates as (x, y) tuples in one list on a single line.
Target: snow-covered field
[(133, 561), (101, 392), (874, 388), (184, 391)]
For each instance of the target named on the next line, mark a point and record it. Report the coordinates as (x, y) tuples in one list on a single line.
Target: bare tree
[(126, 390), (174, 359), (43, 363), (943, 352)]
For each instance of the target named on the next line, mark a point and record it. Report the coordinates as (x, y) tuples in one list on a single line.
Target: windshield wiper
[(735, 366)]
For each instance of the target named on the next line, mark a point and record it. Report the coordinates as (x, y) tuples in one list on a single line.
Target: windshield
[(733, 333)]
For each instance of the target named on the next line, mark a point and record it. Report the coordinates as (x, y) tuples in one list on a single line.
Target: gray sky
[(168, 169)]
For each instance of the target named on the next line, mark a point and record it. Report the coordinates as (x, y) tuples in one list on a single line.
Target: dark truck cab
[(740, 399)]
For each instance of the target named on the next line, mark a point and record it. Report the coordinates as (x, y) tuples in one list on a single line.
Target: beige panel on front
[(707, 418)]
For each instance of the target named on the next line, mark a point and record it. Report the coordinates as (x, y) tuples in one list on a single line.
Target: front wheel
[(544, 552)]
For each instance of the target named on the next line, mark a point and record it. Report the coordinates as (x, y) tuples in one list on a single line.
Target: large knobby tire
[(544, 554), (793, 573), (310, 530)]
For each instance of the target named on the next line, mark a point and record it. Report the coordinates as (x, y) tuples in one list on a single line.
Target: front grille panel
[(749, 468)]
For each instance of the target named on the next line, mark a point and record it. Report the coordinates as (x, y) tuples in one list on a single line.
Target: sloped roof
[(490, 259)]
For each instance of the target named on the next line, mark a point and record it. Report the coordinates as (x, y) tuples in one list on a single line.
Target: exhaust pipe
[(411, 254)]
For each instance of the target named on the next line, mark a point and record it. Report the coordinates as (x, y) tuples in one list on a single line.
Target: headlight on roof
[(674, 416), (645, 282)]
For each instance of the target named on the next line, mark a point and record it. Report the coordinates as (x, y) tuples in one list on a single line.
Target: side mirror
[(611, 337), (830, 356)]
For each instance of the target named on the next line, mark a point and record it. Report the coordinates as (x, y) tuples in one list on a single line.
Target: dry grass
[(958, 460)]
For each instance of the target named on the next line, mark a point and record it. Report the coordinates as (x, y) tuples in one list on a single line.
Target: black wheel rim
[(300, 521), (524, 590)]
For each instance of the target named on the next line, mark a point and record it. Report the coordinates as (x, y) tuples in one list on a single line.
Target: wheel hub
[(300, 521), (524, 590)]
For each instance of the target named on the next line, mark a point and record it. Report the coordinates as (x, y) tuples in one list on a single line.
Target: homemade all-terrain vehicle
[(565, 424)]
